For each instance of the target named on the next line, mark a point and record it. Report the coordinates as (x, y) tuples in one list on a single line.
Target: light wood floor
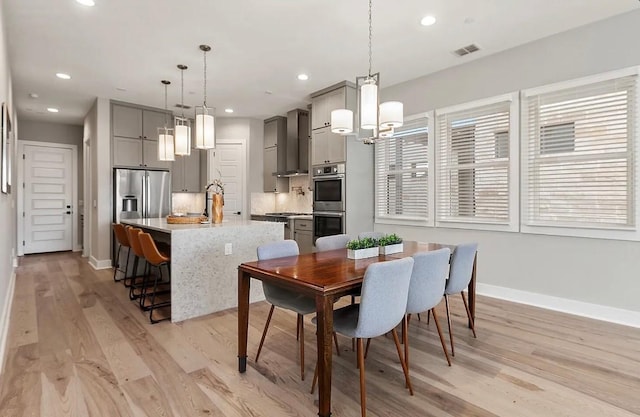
[(78, 347)]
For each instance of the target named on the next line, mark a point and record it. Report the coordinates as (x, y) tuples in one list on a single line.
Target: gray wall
[(597, 271)]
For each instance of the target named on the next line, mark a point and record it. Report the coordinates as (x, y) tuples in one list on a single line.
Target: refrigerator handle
[(147, 203), (144, 196)]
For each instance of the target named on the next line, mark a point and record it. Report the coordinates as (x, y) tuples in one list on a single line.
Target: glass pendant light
[(182, 126), (166, 150), (205, 123)]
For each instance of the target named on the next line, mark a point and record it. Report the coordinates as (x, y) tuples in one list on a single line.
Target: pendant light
[(182, 127), (374, 120), (166, 150), (205, 124)]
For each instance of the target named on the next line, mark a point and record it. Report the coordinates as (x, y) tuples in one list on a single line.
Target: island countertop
[(161, 225)]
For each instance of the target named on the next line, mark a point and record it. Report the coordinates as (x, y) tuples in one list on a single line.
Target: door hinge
[(23, 157), (23, 185), (23, 214), (23, 243)]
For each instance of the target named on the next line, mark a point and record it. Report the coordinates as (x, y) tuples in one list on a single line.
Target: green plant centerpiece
[(390, 244), (362, 248)]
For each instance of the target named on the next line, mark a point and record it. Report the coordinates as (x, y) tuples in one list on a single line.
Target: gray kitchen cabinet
[(324, 104), (134, 133), (273, 184), (186, 173), (327, 147), (303, 235)]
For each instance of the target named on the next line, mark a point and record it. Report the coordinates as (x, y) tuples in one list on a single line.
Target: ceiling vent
[(185, 106), (466, 50)]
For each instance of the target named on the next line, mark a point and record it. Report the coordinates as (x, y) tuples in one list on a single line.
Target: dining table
[(325, 276)]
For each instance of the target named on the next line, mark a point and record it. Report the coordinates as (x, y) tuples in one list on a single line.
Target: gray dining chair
[(284, 298), (382, 307), (374, 235), (333, 242), (426, 290), (460, 272)]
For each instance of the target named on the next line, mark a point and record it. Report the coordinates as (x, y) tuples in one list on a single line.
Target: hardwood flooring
[(78, 347)]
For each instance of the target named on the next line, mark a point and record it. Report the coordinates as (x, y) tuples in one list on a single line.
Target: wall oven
[(327, 223), (329, 188)]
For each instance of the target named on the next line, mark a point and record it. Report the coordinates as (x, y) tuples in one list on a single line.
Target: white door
[(228, 165), (48, 194)]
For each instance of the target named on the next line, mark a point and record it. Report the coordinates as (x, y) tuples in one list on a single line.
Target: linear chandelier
[(374, 120)]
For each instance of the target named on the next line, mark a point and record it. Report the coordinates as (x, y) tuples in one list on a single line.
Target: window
[(402, 173), (476, 171), (578, 161)]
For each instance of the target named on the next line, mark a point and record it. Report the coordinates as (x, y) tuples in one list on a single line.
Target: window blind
[(579, 164), (473, 164), (402, 171)]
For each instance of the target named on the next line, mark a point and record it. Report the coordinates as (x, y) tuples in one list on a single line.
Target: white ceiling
[(258, 46)]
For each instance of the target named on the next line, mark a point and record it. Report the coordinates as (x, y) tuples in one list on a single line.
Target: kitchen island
[(205, 259)]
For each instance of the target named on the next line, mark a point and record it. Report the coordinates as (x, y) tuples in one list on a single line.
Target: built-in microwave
[(327, 223), (329, 188)]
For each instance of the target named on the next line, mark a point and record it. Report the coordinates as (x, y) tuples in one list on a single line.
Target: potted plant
[(390, 244), (362, 248)]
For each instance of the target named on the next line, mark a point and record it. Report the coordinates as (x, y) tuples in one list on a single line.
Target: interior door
[(48, 182), (228, 165)]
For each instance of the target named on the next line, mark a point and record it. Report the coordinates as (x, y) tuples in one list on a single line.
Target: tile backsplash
[(187, 202), (298, 200)]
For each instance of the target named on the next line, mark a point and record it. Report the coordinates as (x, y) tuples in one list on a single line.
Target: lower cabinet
[(303, 235)]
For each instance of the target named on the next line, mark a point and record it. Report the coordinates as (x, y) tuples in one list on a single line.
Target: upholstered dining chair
[(426, 290), (326, 243), (374, 235), (283, 298), (460, 271), (382, 307)]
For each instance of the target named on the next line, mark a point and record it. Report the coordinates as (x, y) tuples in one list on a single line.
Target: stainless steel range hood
[(297, 143)]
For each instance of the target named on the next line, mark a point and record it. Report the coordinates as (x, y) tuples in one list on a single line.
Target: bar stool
[(122, 240), (137, 281), (157, 260)]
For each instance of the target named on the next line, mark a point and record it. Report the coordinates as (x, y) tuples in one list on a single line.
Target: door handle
[(237, 212), (68, 212)]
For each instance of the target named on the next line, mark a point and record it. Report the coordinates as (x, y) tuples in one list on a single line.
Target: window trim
[(513, 225), (631, 233), (412, 220)]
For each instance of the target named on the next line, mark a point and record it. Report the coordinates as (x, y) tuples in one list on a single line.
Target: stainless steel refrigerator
[(139, 194)]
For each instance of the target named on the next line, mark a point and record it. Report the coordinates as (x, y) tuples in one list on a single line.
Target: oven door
[(328, 193), (327, 224)]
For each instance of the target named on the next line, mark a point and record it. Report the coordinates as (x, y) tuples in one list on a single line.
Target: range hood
[(297, 162)]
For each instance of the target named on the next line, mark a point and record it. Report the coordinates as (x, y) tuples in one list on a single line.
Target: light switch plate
[(228, 249)]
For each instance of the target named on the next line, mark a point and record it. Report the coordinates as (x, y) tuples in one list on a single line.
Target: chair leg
[(301, 321), (466, 307), (428, 317), (402, 362), (366, 349), (419, 318), (405, 337), (363, 391), (298, 327), (264, 332), (116, 264), (444, 347), (126, 268), (446, 302), (315, 379), (335, 339)]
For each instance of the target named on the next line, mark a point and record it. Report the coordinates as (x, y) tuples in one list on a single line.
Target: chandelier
[(205, 128), (374, 120), (182, 127), (166, 150)]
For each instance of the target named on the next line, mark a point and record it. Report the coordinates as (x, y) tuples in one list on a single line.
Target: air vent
[(180, 106), (466, 50)]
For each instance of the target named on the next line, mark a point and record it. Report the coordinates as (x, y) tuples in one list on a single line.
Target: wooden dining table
[(324, 276)]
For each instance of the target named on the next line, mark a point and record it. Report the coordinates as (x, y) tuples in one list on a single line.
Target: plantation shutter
[(579, 155), (473, 164), (402, 171)]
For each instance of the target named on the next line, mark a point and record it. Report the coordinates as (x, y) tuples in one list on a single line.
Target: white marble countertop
[(161, 225)]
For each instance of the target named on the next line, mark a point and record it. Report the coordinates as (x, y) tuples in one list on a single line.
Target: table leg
[(471, 291), (244, 283), (324, 309)]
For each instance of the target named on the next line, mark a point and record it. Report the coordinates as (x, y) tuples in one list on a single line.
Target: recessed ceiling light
[(52, 110), (89, 3), (228, 110), (303, 77), (63, 76), (33, 95), (428, 21)]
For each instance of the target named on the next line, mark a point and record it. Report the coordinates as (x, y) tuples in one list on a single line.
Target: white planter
[(362, 253), (389, 249)]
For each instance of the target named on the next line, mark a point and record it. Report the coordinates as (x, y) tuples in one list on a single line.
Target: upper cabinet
[(186, 173), (324, 104), (328, 147), (275, 154), (135, 136)]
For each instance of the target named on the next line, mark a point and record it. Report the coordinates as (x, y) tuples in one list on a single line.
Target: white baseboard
[(15, 261), (99, 264), (4, 319), (565, 305)]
